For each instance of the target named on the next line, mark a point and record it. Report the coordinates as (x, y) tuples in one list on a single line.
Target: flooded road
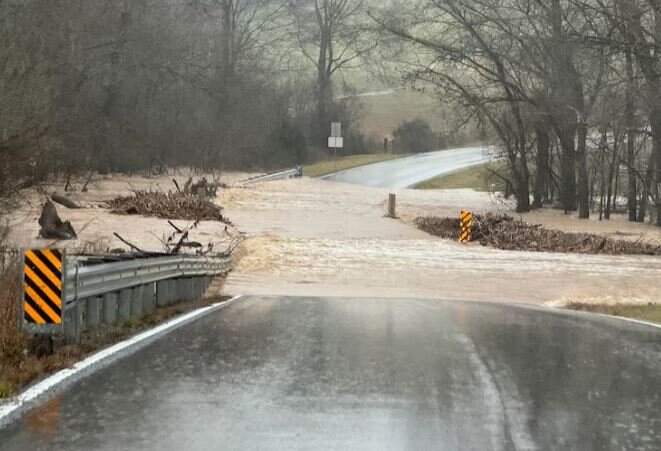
[(410, 171), (308, 237), (322, 373)]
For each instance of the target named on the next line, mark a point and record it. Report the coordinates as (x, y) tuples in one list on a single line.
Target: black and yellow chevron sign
[(466, 227), (42, 287)]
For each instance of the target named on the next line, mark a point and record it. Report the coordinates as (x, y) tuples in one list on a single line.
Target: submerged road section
[(309, 373), (410, 171)]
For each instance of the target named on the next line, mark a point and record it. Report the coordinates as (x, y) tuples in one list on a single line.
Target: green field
[(650, 312), (478, 178), (329, 166)]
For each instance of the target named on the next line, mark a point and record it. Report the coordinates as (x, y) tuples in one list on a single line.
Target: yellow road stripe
[(56, 262), (45, 288), (32, 314), (42, 304), (43, 268)]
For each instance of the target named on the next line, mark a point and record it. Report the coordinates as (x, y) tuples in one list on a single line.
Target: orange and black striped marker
[(42, 287), (466, 227)]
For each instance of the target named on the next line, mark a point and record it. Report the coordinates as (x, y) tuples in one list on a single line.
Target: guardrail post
[(172, 291), (195, 288), (110, 308), (188, 289), (94, 312), (205, 286), (72, 320), (162, 293), (125, 304), (149, 298), (136, 302), (198, 288)]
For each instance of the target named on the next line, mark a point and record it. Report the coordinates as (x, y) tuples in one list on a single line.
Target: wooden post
[(392, 206)]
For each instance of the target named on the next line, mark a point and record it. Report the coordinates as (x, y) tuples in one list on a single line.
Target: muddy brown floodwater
[(310, 237)]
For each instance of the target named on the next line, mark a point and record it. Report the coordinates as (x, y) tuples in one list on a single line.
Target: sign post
[(336, 141)]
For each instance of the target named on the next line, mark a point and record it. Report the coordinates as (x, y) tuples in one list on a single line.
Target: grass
[(328, 166), (648, 312), (478, 178), (6, 390)]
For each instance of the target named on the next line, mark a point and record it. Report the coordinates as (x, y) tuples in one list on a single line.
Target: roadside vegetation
[(479, 178), (326, 167), (649, 312)]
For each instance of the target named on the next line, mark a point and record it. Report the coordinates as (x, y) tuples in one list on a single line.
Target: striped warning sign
[(466, 227), (42, 287)]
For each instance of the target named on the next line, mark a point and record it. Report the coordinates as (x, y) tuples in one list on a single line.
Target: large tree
[(331, 35)]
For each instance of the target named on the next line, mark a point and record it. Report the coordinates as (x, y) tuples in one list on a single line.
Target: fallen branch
[(131, 245), (65, 201)]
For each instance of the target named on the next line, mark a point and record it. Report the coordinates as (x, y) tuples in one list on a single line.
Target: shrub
[(415, 136)]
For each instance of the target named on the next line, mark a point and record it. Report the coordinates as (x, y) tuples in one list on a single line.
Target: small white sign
[(336, 129), (336, 143)]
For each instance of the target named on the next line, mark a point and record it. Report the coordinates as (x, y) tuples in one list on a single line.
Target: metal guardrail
[(94, 291), (291, 173), (96, 280)]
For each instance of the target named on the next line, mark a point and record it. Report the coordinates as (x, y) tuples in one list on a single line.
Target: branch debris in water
[(505, 232)]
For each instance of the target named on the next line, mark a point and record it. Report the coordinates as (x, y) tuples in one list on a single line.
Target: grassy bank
[(478, 178), (648, 312), (328, 166)]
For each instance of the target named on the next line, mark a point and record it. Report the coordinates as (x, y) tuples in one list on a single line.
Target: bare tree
[(330, 35)]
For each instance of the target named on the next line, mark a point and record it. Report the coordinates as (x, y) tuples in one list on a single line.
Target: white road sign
[(336, 129), (336, 143)]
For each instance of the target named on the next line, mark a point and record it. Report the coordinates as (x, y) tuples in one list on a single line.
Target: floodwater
[(314, 238)]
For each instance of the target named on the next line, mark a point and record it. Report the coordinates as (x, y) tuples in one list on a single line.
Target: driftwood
[(65, 201), (172, 205), (52, 227)]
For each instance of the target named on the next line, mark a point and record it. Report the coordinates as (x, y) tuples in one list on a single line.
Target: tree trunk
[(602, 162), (655, 122), (523, 189), (543, 172), (630, 119), (647, 183), (583, 182), (567, 169)]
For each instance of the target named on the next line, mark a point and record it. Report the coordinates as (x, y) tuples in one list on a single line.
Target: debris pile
[(200, 188), (507, 233), (177, 205)]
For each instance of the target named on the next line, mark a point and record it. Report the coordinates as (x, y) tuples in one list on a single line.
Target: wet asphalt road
[(410, 171), (299, 373)]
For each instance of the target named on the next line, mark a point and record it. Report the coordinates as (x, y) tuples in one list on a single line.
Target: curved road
[(410, 171), (310, 373)]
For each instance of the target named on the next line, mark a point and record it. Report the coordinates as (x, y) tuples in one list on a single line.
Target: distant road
[(409, 171), (362, 374)]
